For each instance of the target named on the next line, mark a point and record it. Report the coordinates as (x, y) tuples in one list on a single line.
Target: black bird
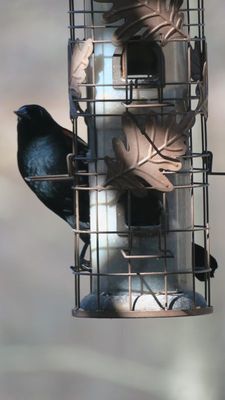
[(43, 146), (200, 263)]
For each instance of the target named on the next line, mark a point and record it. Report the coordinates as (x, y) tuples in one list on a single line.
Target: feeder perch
[(138, 88)]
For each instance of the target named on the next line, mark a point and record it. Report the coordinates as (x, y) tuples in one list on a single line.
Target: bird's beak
[(21, 113), (17, 113)]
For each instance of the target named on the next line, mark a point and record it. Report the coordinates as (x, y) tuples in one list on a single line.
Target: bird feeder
[(138, 88)]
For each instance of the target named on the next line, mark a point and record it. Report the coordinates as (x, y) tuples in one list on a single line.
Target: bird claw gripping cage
[(138, 87)]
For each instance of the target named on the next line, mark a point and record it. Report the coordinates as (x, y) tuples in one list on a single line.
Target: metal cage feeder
[(138, 86)]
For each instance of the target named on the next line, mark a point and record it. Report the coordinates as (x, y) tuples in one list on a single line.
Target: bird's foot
[(85, 265)]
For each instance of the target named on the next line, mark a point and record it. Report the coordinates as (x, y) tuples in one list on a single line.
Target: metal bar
[(127, 83), (93, 100), (100, 12), (129, 249), (96, 165), (140, 230), (147, 105), (76, 245), (71, 18), (107, 26), (65, 177), (192, 166), (189, 40), (152, 273), (216, 174), (76, 216), (128, 256)]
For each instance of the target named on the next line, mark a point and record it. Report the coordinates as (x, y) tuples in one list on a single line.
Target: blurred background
[(44, 352)]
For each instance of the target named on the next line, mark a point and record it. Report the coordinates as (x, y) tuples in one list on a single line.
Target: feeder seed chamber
[(138, 88)]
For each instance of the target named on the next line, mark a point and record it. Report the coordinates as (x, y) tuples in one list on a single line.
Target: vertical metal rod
[(205, 175), (193, 238), (75, 192), (203, 19), (77, 222), (129, 248), (199, 20), (86, 16), (204, 163), (165, 258), (128, 100), (188, 16), (192, 166), (72, 20), (204, 201), (206, 191), (98, 284)]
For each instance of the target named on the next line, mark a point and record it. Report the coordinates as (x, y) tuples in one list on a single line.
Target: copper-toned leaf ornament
[(156, 19), (141, 161), (202, 93), (79, 63)]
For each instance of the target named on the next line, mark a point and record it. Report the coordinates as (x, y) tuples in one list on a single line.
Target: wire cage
[(138, 90)]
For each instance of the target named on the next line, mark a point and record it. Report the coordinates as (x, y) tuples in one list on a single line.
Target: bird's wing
[(67, 133), (70, 135)]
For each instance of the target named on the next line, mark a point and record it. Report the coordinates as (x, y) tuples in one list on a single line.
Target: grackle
[(43, 146)]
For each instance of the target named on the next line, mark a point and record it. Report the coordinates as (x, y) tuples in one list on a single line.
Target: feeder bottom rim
[(197, 311)]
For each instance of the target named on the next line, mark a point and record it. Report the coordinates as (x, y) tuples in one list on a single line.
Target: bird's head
[(33, 114)]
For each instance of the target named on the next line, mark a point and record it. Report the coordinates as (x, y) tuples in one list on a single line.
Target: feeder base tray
[(79, 313), (122, 305)]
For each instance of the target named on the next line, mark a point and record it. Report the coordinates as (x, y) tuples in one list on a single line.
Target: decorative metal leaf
[(202, 93), (145, 155), (79, 62), (161, 19)]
